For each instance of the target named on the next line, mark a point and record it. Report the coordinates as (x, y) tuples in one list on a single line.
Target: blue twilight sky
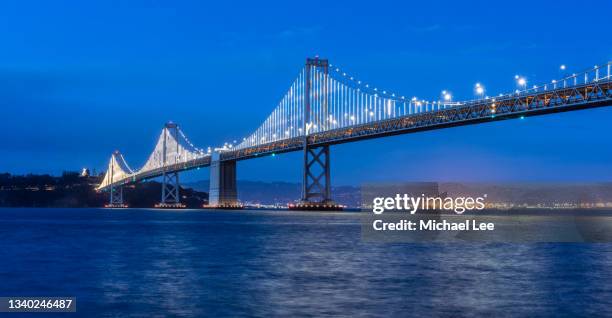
[(79, 79)]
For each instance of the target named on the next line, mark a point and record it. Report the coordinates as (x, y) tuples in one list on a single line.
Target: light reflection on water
[(196, 263)]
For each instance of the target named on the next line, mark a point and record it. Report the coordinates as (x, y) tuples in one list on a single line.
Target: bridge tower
[(115, 191), (316, 181), (170, 197)]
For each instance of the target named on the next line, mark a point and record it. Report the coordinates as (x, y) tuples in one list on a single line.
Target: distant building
[(85, 172)]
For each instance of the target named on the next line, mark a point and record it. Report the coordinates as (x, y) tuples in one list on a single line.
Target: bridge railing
[(596, 74)]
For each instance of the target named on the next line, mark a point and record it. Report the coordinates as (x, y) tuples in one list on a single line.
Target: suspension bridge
[(325, 106)]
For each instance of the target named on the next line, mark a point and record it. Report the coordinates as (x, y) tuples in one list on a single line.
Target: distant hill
[(279, 192), (533, 193)]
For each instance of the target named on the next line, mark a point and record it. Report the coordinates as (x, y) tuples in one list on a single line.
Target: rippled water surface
[(145, 263)]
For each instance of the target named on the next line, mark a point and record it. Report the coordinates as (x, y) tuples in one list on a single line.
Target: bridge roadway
[(586, 96)]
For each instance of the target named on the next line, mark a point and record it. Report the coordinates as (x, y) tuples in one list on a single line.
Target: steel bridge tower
[(316, 180), (115, 192), (170, 197)]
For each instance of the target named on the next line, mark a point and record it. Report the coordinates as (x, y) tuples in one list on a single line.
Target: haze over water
[(257, 263)]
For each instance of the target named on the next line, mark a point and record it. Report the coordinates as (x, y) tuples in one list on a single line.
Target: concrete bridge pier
[(223, 189)]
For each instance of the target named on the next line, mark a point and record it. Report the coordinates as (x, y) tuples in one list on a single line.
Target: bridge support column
[(223, 190), (116, 197), (170, 188), (316, 184), (170, 197), (316, 175)]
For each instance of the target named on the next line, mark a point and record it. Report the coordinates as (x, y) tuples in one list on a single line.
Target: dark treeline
[(74, 190), (8, 181)]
